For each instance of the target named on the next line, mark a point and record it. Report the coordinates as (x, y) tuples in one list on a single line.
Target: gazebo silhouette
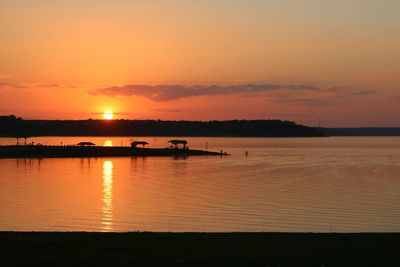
[(85, 144), (139, 143), (175, 143)]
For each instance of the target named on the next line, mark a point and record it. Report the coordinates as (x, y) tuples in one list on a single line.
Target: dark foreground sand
[(199, 249)]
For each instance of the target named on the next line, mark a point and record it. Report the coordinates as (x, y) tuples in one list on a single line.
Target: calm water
[(337, 184)]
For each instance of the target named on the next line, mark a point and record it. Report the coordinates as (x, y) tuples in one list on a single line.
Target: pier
[(40, 151)]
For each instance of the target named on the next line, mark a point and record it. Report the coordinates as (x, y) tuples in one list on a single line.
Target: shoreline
[(200, 249), (40, 151)]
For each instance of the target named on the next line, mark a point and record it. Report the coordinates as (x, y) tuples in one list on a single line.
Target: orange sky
[(201, 60)]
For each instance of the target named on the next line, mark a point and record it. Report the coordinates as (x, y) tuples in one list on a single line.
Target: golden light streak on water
[(107, 195)]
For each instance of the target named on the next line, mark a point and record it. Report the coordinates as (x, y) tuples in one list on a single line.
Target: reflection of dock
[(94, 151)]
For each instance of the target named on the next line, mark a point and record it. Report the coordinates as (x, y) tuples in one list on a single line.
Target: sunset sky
[(300, 60)]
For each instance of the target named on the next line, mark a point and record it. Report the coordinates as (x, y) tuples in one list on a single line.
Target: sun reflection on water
[(107, 195)]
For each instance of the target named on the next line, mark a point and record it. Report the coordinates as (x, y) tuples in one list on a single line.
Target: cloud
[(51, 85), (348, 91), (14, 85), (171, 110), (303, 87), (305, 101), (4, 84), (310, 98), (363, 92), (173, 92)]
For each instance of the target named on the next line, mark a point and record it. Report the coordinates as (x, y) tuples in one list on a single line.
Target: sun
[(108, 114)]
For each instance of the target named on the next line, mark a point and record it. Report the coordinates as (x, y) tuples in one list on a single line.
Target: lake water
[(337, 184)]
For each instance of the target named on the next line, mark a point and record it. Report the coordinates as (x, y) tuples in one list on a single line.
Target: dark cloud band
[(173, 92)]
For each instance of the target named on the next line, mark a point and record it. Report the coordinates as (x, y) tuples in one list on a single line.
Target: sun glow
[(108, 143), (108, 114)]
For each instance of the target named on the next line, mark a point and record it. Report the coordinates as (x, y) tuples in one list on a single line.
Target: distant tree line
[(363, 131), (13, 126)]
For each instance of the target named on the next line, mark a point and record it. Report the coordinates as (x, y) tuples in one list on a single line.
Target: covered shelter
[(25, 137), (139, 143), (175, 143), (85, 144)]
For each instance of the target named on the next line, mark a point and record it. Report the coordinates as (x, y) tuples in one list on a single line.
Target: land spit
[(37, 151)]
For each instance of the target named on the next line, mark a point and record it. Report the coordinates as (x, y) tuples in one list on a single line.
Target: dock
[(95, 151)]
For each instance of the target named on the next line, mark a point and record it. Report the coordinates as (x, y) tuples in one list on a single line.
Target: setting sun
[(108, 115)]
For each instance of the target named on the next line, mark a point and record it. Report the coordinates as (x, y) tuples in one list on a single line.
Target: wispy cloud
[(173, 92), (303, 94), (50, 85), (171, 110), (305, 101), (4, 84), (363, 92), (15, 85), (346, 91)]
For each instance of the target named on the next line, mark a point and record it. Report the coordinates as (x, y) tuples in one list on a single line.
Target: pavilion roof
[(174, 141), (139, 143), (85, 144)]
